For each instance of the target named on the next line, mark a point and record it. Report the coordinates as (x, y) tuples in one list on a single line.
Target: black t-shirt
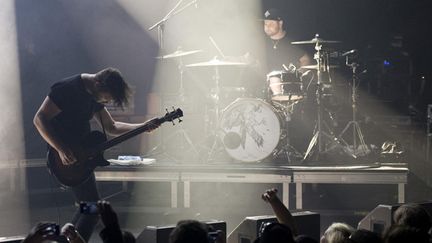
[(282, 52), (77, 107)]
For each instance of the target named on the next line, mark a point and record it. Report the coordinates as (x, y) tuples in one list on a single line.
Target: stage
[(228, 173), (188, 174), (161, 192)]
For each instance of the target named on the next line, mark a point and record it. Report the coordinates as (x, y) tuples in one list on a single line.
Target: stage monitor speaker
[(381, 217), (308, 223), (378, 219), (11, 239), (160, 234)]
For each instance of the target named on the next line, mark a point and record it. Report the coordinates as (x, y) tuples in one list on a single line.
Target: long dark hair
[(111, 80)]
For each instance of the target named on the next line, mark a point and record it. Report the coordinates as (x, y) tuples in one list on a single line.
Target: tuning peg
[(166, 110), (179, 120)]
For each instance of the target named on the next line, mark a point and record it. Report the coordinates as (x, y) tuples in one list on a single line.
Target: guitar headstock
[(172, 115)]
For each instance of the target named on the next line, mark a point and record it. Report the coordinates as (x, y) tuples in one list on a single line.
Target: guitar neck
[(113, 142)]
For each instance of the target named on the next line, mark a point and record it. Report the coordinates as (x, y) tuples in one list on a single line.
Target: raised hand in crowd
[(281, 212), (43, 231), (50, 231), (111, 232), (71, 234)]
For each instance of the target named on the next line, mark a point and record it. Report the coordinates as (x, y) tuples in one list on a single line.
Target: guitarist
[(65, 115)]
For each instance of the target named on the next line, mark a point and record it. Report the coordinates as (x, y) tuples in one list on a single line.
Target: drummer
[(280, 53)]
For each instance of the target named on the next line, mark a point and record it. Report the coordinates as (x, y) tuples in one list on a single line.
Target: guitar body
[(77, 173)]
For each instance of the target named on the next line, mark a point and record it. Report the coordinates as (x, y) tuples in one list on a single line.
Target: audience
[(112, 233), (337, 233), (51, 232), (364, 236), (412, 223), (71, 234), (405, 234), (413, 215), (193, 231), (281, 212), (275, 233), (305, 239)]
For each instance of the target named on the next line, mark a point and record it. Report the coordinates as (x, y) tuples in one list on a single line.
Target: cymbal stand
[(356, 131), (216, 96), (320, 134), (181, 91), (287, 149), (181, 95)]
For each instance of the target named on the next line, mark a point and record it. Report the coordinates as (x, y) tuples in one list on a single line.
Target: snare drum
[(251, 129), (285, 86)]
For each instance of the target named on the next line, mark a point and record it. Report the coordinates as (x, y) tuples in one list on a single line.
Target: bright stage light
[(12, 148)]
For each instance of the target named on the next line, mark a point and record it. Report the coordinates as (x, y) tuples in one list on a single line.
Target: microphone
[(349, 52)]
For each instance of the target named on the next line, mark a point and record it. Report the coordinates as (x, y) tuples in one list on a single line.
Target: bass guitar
[(89, 152)]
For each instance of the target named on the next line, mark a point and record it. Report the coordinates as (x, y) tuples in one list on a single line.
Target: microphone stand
[(160, 25)]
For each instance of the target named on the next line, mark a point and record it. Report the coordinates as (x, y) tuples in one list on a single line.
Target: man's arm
[(116, 128), (42, 121), (282, 213), (112, 231)]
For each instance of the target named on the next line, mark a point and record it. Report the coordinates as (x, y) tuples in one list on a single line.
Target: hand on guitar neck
[(152, 124)]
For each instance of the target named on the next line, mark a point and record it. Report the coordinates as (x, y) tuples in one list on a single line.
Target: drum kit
[(255, 129)]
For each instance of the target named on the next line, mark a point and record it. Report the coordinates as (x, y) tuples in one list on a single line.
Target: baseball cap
[(273, 14)]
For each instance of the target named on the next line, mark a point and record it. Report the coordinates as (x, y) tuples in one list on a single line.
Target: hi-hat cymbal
[(216, 62), (315, 41), (315, 67), (178, 53)]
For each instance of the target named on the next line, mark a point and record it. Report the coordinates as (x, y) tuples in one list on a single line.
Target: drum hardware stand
[(356, 131), (217, 138), (181, 95), (287, 149), (320, 134)]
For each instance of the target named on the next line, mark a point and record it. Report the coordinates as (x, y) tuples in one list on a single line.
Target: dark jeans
[(85, 223)]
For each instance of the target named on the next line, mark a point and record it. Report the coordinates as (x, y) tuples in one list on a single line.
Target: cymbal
[(314, 41), (216, 62), (315, 67), (178, 53)]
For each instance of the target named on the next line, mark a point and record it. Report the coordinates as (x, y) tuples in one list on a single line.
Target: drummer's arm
[(306, 59)]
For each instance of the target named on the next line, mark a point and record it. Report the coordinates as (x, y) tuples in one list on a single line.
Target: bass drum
[(251, 129)]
